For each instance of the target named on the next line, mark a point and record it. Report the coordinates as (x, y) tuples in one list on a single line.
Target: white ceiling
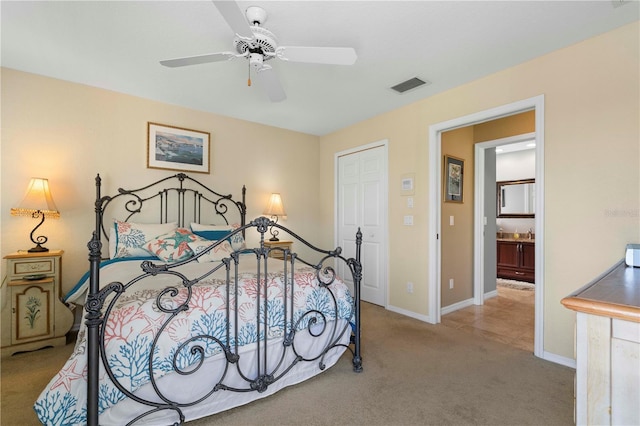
[(116, 45)]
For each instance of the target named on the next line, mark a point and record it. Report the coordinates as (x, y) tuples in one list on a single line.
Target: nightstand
[(278, 254), (33, 316)]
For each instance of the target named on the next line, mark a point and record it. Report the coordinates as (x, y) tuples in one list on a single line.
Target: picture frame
[(453, 182), (177, 148)]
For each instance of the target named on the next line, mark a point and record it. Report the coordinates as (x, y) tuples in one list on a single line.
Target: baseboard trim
[(551, 357), (456, 306), (491, 294), (424, 318)]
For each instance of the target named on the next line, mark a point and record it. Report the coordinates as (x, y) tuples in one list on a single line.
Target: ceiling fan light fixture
[(258, 45), (410, 84), (256, 15)]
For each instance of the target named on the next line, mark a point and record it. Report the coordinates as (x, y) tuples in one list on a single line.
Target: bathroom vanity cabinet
[(517, 260)]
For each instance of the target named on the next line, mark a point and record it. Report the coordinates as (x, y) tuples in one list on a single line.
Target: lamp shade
[(37, 199), (275, 207)]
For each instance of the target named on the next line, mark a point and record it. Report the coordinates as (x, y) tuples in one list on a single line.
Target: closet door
[(361, 203)]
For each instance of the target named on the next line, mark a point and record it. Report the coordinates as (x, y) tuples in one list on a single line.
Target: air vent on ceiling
[(410, 84), (618, 3)]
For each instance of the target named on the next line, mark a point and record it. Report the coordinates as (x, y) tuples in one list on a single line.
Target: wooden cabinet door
[(32, 311), (507, 254), (528, 256)]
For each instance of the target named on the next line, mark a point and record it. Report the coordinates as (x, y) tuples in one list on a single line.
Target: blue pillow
[(212, 235)]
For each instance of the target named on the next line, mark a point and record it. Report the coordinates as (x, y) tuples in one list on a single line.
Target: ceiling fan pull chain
[(249, 80)]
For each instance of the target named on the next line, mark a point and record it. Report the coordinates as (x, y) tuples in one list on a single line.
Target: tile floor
[(507, 318)]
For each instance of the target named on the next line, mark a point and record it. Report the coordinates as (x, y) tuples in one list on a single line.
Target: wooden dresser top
[(615, 294)]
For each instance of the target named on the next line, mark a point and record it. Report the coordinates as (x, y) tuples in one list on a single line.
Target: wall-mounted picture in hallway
[(176, 148), (453, 179)]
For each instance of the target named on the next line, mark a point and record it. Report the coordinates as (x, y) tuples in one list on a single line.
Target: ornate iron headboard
[(178, 198)]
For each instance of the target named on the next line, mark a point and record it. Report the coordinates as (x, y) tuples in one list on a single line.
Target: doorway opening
[(435, 222)]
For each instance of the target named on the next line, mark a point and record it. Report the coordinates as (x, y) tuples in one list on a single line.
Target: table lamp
[(275, 209), (37, 203)]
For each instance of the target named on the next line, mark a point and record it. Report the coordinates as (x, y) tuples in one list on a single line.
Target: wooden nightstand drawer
[(31, 267), (278, 247)]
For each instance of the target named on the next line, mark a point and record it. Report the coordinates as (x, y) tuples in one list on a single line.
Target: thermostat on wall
[(632, 257)]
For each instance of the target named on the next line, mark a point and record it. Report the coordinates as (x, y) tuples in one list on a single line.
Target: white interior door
[(361, 203)]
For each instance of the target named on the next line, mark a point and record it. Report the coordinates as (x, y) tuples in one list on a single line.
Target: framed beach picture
[(453, 179), (176, 148)]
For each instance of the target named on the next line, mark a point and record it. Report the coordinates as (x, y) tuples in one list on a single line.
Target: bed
[(188, 313)]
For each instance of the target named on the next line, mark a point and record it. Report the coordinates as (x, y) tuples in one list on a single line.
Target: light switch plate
[(451, 221)]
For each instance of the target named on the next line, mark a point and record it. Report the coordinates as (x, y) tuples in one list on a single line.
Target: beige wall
[(456, 246), (591, 167), (512, 125), (69, 132)]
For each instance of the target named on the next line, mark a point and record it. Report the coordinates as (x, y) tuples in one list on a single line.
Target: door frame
[(535, 103), (384, 144), (478, 216)]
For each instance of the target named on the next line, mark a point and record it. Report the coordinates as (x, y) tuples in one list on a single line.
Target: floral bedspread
[(136, 320)]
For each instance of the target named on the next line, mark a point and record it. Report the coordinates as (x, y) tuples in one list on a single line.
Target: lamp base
[(274, 238), (38, 249)]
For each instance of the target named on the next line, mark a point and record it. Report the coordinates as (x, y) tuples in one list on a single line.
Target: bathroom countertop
[(521, 239), (615, 294)]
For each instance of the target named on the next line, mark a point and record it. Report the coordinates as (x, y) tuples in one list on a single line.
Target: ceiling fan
[(258, 45)]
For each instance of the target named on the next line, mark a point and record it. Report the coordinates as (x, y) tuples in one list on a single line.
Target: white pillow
[(215, 254), (127, 239)]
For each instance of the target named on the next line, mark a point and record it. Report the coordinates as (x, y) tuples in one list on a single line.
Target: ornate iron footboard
[(101, 302)]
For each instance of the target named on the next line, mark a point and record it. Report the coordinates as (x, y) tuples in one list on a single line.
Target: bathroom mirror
[(516, 198)]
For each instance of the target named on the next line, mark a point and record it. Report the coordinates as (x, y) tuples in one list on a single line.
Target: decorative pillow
[(200, 227), (217, 232), (212, 235), (237, 240), (215, 254), (172, 246), (127, 239), (211, 232)]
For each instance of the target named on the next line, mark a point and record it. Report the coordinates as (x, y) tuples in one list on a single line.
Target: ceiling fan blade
[(235, 18), (318, 55), (199, 59), (271, 83)]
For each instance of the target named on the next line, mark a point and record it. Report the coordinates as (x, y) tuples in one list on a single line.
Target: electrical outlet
[(450, 283), (409, 287)]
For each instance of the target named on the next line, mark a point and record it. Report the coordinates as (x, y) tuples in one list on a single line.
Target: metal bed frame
[(182, 199)]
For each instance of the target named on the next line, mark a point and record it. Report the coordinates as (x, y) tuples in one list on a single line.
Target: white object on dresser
[(34, 316)]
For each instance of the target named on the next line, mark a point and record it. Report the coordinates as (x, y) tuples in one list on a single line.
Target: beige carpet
[(414, 374)]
